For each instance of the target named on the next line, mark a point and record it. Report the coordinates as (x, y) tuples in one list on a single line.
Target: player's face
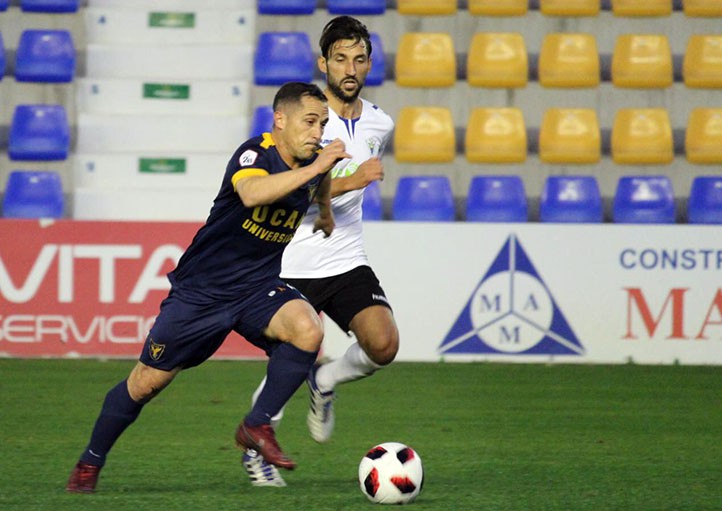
[(346, 69), (303, 127)]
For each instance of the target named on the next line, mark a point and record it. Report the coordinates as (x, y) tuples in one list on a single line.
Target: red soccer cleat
[(263, 439), (83, 478)]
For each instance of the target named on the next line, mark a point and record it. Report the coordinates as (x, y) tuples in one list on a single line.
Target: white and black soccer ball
[(391, 473)]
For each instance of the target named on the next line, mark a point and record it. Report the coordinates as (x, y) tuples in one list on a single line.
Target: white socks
[(353, 365)]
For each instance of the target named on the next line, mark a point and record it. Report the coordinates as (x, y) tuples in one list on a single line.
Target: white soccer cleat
[(260, 472), (321, 417)]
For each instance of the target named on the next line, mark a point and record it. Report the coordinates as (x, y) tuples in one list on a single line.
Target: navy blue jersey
[(239, 247)]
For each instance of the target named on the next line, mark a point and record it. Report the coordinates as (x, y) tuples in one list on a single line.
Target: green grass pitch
[(492, 437)]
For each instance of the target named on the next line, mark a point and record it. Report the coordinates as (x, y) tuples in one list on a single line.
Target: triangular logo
[(511, 311)]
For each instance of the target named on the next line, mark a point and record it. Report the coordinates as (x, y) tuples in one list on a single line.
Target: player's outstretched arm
[(262, 190), (324, 221), (369, 171)]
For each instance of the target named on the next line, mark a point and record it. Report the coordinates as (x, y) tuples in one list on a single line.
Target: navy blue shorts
[(191, 327)]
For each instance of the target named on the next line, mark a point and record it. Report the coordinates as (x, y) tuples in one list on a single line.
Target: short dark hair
[(343, 27), (292, 92)]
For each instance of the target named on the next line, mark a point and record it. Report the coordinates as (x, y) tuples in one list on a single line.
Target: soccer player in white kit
[(333, 272)]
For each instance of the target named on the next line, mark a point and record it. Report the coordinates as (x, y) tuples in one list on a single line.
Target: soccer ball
[(391, 473)]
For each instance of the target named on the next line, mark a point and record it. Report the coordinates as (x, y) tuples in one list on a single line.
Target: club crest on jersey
[(155, 350), (248, 158), (374, 144)]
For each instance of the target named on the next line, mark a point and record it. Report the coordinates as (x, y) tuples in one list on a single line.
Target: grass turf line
[(492, 436)]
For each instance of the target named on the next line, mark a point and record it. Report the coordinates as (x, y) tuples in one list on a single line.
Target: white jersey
[(310, 255)]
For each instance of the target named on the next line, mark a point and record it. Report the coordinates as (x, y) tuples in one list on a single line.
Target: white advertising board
[(649, 294)]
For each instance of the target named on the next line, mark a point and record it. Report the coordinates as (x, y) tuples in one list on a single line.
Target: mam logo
[(511, 311)]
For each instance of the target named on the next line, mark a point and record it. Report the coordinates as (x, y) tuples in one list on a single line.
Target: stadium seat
[(642, 62), (636, 8), (372, 206), (496, 135), (2, 57), (701, 64), (423, 199), (644, 200), (4, 4), (702, 8), (567, 8), (704, 205), (283, 57), (33, 194), (497, 60), (496, 199), (703, 137), (498, 7), (262, 120), (571, 199), (425, 59), (52, 6), (426, 7), (45, 56), (569, 60), (424, 135), (288, 7), (570, 135), (356, 7), (642, 136), (378, 62), (39, 132)]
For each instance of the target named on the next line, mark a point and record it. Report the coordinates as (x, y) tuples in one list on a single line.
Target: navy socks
[(287, 369), (118, 412)]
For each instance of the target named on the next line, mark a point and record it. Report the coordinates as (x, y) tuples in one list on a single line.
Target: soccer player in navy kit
[(228, 279)]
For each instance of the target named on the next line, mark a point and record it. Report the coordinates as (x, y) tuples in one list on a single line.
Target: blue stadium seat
[(2, 57), (571, 199), (33, 194), (644, 200), (55, 6), (705, 200), (39, 132), (290, 7), (356, 7), (423, 199), (373, 208), (45, 56), (262, 120), (4, 4), (378, 62), (496, 199), (283, 57)]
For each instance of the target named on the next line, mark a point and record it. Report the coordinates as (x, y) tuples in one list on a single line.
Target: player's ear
[(279, 119), (322, 65)]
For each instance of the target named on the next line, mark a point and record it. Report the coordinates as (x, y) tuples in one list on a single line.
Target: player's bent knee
[(144, 382), (307, 333)]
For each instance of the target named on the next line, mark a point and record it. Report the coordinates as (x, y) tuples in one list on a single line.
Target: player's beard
[(341, 94)]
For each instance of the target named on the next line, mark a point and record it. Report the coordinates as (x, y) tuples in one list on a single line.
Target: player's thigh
[(297, 322), (376, 331)]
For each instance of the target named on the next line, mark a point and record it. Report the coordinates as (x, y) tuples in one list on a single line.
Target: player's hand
[(325, 223), (331, 154), (369, 171)]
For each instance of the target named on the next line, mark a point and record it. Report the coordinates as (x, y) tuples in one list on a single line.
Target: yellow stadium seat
[(496, 135), (569, 60), (642, 62), (497, 60), (424, 134), (567, 8), (703, 139), (425, 59), (702, 64), (570, 135), (642, 136), (426, 7), (498, 7), (702, 8), (644, 8)]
